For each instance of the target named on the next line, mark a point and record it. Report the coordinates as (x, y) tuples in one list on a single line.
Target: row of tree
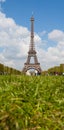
[(57, 70), (8, 70)]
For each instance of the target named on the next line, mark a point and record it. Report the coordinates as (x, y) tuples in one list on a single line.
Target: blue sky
[(48, 13), (49, 31)]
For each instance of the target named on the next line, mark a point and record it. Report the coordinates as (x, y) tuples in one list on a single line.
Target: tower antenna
[(32, 13)]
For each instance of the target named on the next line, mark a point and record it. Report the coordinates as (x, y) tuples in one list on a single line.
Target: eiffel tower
[(32, 53)]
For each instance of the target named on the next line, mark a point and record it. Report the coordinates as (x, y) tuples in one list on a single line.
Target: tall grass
[(31, 103)]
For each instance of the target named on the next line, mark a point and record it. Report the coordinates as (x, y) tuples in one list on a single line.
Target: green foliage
[(4, 70), (56, 70), (1, 68), (31, 103)]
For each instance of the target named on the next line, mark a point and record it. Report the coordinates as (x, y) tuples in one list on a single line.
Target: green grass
[(31, 103)]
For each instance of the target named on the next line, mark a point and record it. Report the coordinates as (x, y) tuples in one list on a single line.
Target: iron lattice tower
[(32, 53)]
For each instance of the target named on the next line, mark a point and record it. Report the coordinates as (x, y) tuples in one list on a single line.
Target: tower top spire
[(32, 34), (32, 18)]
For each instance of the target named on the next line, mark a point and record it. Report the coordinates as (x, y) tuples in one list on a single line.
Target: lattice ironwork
[(32, 53)]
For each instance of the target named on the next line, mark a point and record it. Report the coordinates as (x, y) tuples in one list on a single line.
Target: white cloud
[(56, 35), (42, 33), (15, 40), (55, 55), (2, 0)]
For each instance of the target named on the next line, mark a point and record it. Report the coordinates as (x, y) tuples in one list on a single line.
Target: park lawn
[(31, 102)]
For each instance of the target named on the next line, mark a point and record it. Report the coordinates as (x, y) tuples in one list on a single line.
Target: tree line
[(56, 70), (8, 70)]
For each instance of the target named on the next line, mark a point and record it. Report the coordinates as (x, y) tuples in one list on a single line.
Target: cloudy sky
[(15, 32)]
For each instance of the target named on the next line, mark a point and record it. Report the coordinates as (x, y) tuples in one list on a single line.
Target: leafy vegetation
[(31, 102), (4, 70)]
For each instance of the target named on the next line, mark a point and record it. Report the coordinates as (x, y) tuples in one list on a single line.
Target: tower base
[(32, 66)]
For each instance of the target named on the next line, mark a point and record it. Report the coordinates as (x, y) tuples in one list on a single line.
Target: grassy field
[(31, 103)]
